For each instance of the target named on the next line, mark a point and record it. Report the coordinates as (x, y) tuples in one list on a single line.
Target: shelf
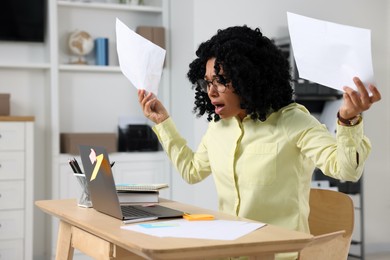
[(316, 98), (123, 156), (25, 66), (17, 118), (111, 6), (89, 68)]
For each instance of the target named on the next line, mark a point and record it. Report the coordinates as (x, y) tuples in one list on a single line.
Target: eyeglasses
[(216, 83)]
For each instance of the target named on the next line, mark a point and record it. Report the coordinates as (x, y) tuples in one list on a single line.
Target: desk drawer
[(11, 194), (11, 136), (11, 249), (11, 224), (11, 166)]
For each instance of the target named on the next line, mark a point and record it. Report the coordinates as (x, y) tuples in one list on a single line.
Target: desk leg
[(64, 247)]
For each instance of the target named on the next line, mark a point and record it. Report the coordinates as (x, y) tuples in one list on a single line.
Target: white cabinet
[(16, 187)]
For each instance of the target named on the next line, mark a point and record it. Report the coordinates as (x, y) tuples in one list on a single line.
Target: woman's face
[(227, 104)]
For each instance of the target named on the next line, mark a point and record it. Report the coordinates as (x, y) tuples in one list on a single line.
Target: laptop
[(101, 185)]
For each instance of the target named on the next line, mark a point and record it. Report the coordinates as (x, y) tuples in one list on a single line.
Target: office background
[(193, 21)]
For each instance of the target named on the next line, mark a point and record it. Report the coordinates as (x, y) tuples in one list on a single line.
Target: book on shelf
[(140, 186), (138, 197)]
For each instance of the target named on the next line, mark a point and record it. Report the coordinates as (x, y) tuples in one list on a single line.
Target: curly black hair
[(257, 69)]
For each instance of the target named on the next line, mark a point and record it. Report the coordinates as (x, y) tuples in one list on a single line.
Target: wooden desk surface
[(268, 239)]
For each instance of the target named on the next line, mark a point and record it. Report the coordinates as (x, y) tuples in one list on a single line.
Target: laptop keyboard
[(130, 211)]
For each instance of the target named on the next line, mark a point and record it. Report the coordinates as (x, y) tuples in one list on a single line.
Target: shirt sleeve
[(192, 166), (355, 148), (341, 157)]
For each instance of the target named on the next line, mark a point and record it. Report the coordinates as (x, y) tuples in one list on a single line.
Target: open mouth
[(218, 108)]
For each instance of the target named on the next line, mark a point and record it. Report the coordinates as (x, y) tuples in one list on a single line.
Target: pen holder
[(85, 199)]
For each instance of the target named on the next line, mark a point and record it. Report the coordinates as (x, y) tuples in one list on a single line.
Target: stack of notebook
[(139, 193)]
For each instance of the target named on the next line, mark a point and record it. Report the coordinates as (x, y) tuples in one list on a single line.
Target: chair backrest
[(330, 213)]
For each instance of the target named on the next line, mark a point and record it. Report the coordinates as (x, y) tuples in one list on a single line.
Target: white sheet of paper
[(140, 60), (204, 229), (330, 54)]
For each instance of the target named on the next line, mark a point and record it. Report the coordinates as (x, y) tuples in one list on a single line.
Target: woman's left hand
[(358, 101)]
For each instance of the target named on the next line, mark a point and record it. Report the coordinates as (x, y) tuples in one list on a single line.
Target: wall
[(183, 44), (195, 21)]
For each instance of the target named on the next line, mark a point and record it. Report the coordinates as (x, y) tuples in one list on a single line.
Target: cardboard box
[(5, 104), (70, 141), (153, 33)]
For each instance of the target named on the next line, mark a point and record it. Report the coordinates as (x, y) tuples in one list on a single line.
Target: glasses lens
[(220, 87), (203, 85), (218, 84)]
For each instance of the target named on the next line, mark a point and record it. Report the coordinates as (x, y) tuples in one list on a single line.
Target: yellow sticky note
[(99, 160), (198, 217)]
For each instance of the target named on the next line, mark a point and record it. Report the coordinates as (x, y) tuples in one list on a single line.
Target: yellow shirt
[(263, 170)]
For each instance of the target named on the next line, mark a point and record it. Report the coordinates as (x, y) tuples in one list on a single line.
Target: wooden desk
[(100, 236)]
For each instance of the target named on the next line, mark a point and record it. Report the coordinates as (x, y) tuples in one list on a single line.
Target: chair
[(331, 221)]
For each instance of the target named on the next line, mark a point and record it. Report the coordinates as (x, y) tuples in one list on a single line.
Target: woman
[(261, 147)]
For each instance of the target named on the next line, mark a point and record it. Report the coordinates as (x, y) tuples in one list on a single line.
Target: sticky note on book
[(198, 217)]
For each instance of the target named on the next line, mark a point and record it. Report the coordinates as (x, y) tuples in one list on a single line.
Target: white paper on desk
[(140, 60), (204, 229), (330, 54)]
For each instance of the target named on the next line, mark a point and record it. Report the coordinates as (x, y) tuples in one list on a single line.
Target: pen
[(128, 221), (76, 164), (72, 166)]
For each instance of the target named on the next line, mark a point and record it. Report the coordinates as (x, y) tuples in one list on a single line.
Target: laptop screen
[(100, 180), (102, 188)]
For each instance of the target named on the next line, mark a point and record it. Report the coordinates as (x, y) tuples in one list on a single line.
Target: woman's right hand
[(152, 108)]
